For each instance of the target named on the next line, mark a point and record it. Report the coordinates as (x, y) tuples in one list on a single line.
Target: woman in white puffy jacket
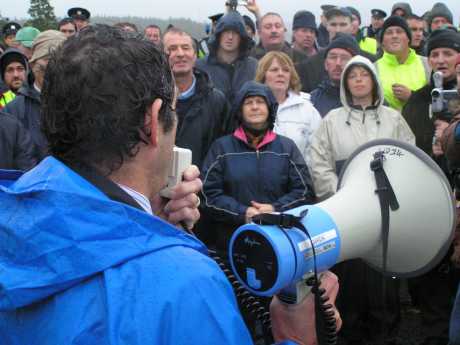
[(296, 117)]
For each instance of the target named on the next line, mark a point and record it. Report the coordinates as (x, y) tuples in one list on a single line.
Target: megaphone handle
[(297, 293)]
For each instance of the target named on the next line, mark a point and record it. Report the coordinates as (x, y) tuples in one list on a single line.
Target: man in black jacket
[(26, 107), (16, 148), (202, 110), (327, 95), (272, 32), (228, 64), (434, 291), (13, 73)]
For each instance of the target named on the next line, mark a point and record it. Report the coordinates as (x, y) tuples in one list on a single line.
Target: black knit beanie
[(443, 38), (344, 41), (396, 21), (9, 58)]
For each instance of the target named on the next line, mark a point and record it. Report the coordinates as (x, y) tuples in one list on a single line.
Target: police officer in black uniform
[(9, 31), (377, 19), (80, 17)]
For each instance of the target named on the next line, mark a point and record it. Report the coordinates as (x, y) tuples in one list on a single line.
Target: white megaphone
[(383, 181)]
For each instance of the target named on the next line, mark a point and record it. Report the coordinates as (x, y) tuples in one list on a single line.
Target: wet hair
[(152, 26), (98, 90), (268, 14), (178, 31), (284, 60), (414, 17), (66, 21), (123, 25)]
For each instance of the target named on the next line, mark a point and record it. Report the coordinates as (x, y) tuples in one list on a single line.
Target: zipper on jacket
[(259, 183)]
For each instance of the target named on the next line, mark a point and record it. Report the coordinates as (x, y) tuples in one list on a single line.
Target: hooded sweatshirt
[(77, 267), (403, 6), (344, 129), (229, 78)]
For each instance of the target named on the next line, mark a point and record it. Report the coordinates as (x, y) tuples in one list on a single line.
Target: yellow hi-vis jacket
[(414, 73), (6, 97), (369, 45)]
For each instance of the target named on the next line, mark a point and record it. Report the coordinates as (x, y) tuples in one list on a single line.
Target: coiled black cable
[(248, 301)]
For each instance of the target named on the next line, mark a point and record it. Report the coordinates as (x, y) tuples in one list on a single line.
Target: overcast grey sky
[(200, 9)]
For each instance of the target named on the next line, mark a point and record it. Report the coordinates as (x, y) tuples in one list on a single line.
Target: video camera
[(440, 99)]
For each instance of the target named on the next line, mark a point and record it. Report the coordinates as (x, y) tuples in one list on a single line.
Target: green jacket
[(413, 73)]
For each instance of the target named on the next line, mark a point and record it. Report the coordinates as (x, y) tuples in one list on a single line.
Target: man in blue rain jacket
[(84, 257)]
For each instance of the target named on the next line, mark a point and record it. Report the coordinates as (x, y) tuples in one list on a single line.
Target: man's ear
[(153, 123)]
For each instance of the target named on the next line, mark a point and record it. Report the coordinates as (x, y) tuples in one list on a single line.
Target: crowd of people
[(88, 117)]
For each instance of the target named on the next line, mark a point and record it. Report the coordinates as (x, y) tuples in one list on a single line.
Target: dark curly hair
[(98, 88)]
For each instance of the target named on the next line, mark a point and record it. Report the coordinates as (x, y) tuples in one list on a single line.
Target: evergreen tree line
[(43, 18)]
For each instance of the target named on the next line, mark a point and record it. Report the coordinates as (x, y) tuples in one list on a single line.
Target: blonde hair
[(285, 61)]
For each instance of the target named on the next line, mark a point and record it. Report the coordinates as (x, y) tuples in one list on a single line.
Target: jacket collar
[(269, 137), (29, 91), (391, 59)]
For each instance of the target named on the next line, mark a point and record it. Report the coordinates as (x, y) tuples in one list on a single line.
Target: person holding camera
[(90, 253), (450, 144), (433, 292)]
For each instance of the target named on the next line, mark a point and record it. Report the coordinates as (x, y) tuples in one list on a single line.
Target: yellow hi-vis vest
[(412, 74), (369, 45), (6, 97)]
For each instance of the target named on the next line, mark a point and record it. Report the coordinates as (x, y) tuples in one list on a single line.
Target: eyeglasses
[(12, 69), (340, 57)]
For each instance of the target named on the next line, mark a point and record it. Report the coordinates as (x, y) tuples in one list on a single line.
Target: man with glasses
[(27, 105)]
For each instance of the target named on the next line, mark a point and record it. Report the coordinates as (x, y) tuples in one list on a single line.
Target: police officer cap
[(216, 17), (378, 13), (79, 13), (10, 28)]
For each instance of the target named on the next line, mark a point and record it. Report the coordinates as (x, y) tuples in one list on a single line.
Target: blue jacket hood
[(57, 229), (252, 88), (231, 21)]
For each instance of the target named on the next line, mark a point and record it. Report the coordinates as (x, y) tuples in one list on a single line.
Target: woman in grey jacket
[(369, 314), (362, 118)]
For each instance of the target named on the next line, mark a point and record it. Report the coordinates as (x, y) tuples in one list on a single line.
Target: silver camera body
[(440, 97)]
